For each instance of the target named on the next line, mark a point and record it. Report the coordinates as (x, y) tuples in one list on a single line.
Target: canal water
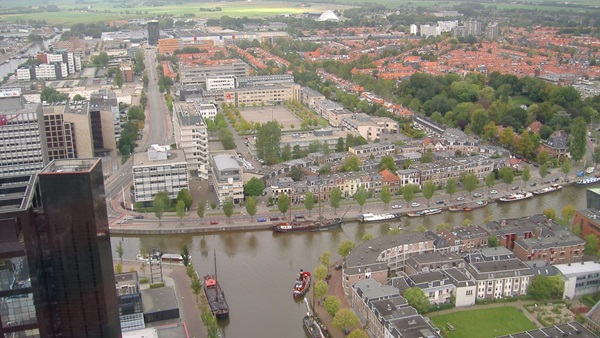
[(13, 64), (257, 269)]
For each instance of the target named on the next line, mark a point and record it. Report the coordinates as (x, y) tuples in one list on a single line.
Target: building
[(428, 30), (580, 278), (220, 83), (554, 246), (592, 318), (196, 74), (369, 127), (414, 29), (377, 150), (131, 314), (153, 32), (191, 135), (47, 221), (592, 198), (465, 239), (22, 135), (106, 101), (587, 222), (160, 169), (262, 94), (435, 285), (492, 31), (305, 139), (441, 171), (432, 261), (473, 28), (571, 329), (227, 177), (308, 96)]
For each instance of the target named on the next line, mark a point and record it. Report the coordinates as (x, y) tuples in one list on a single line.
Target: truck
[(589, 170)]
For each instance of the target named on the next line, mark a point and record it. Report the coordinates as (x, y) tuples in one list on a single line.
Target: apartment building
[(159, 169), (435, 284), (308, 96), (22, 135), (196, 74), (258, 80), (432, 261), (441, 171), (306, 138), (369, 127), (587, 222), (552, 246), (131, 315), (465, 239), (377, 150), (227, 177), (262, 94), (105, 100), (191, 135)]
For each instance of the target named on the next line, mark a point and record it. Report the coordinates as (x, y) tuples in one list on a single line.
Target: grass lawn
[(520, 100), (482, 323)]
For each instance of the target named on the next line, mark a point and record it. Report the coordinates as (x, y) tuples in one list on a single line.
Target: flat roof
[(74, 165), (142, 160), (160, 299)]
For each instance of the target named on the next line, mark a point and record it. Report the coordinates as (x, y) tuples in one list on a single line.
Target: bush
[(143, 280), (439, 307), (157, 285)]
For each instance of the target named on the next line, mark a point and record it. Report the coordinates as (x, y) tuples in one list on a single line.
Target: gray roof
[(458, 278), (572, 329), (372, 289), (498, 269), (160, 299), (436, 257), (392, 308), (552, 240), (225, 161)]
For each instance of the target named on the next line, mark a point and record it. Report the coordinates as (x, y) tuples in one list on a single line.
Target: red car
[(214, 222)]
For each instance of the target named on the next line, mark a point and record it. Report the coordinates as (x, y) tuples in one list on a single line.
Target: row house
[(432, 261), (435, 285), (440, 172), (465, 239), (409, 176), (386, 313), (553, 247), (283, 186), (427, 125), (391, 180), (498, 273), (376, 150)]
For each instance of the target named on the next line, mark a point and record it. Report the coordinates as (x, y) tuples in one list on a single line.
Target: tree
[(345, 248), (507, 137), (325, 257), (417, 299), (550, 213), (254, 187), (332, 305), (320, 272), (565, 168), (196, 285), (408, 193), (309, 202), (507, 176), (120, 251), (118, 77), (321, 289), (427, 156), (543, 171), (358, 333), (567, 212), (490, 180), (578, 144), (228, 208), (160, 204), (526, 175), (544, 287), (428, 190), (251, 206), (591, 244), (180, 210), (525, 145), (201, 209), (268, 138), (542, 157), (283, 204), (493, 241), (386, 195), (185, 254), (344, 319), (470, 182), (210, 322), (451, 187), (335, 195), (185, 196), (360, 196), (387, 162), (50, 95), (352, 163)]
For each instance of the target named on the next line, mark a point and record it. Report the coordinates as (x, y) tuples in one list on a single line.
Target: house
[(557, 144), (432, 261), (466, 239), (435, 285)]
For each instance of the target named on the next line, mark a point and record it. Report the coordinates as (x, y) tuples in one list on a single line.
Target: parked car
[(274, 218), (546, 182), (556, 180), (396, 206), (580, 174), (261, 219), (460, 198), (415, 204), (533, 184), (440, 202), (515, 187), (476, 194), (493, 192), (214, 222), (338, 267), (138, 217)]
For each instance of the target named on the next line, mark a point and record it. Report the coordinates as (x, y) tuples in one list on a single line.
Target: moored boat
[(307, 225), (553, 187), (312, 327), (302, 283), (172, 258), (589, 180), (425, 212), (370, 217), (215, 295), (516, 197), (459, 207)]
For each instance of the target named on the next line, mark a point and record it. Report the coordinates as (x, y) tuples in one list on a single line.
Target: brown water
[(257, 269)]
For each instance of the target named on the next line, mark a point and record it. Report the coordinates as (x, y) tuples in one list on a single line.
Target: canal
[(257, 269)]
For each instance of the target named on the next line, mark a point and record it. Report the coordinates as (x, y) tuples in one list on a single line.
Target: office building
[(196, 74), (56, 275), (106, 101), (473, 28), (153, 33), (22, 136), (227, 176), (131, 314), (262, 94), (161, 169), (191, 135)]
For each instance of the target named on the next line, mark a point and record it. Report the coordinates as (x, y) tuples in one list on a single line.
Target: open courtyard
[(483, 323), (278, 113)]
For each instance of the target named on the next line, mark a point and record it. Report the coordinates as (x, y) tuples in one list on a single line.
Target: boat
[(312, 327), (370, 217), (172, 258), (302, 284), (425, 212), (459, 207), (215, 295), (307, 225), (516, 196), (590, 180), (553, 187)]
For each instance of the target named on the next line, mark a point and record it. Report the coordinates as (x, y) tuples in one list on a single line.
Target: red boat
[(302, 284)]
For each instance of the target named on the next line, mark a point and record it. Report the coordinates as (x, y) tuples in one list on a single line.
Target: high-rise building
[(191, 135), (22, 136), (492, 31), (473, 28), (153, 33), (56, 271), (161, 170)]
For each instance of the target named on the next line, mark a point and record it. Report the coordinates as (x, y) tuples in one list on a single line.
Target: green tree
[(368, 237), (332, 305), (268, 138), (387, 162), (352, 163), (325, 257), (50, 95), (358, 333), (451, 187), (180, 211), (470, 182), (196, 285), (565, 168), (339, 146), (408, 193), (493, 241), (490, 180), (507, 176), (567, 212), (228, 208), (309, 202), (251, 206), (507, 137), (335, 195), (344, 319), (526, 174), (254, 187), (283, 203), (201, 209), (427, 156), (185, 196), (120, 251), (386, 195), (185, 254), (428, 191), (320, 272), (118, 77), (210, 322), (596, 155), (345, 248), (160, 204), (543, 171), (578, 143), (360, 196), (525, 145), (544, 287), (321, 289), (417, 299), (542, 157), (100, 60), (591, 244)]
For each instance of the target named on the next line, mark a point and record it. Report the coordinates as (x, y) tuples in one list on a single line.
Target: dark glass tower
[(153, 33), (56, 274)]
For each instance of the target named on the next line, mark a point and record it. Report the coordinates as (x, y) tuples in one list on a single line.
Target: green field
[(519, 100), (483, 323)]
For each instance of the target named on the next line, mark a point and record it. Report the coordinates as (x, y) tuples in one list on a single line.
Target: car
[(138, 216), (440, 202), (214, 222), (415, 204), (460, 198), (533, 184), (515, 187), (261, 219), (556, 180), (476, 194), (493, 192), (338, 267), (396, 206), (546, 182), (274, 218)]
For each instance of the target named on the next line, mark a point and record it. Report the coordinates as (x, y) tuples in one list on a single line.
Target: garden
[(482, 323)]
